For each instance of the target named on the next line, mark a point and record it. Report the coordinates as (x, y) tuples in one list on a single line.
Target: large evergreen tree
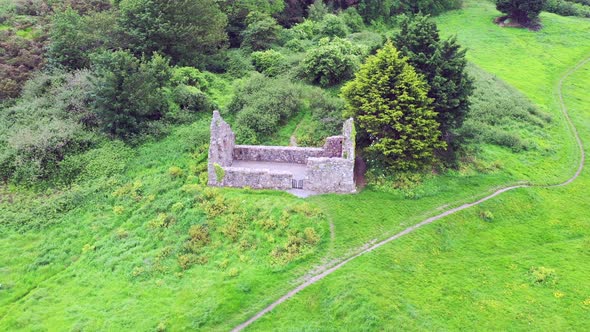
[(185, 30), (390, 103), (523, 11), (443, 64)]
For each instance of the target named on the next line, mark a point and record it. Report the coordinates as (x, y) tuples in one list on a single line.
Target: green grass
[(83, 258), (466, 271)]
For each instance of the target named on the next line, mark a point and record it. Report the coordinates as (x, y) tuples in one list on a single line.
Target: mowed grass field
[(518, 262), (106, 254)]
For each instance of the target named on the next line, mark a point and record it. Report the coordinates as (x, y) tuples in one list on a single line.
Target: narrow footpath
[(430, 220)]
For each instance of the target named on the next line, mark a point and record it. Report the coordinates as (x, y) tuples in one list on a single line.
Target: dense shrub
[(332, 62), (333, 26), (318, 10), (261, 104), (580, 8), (238, 11), (261, 33), (188, 31), (47, 124), (238, 63), (73, 38), (353, 19), (376, 10), (270, 63), (129, 93)]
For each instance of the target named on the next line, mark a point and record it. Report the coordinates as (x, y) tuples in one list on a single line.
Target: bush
[(261, 33), (332, 62), (238, 64), (353, 19), (262, 104), (333, 26), (569, 8), (271, 63), (185, 30), (129, 93)]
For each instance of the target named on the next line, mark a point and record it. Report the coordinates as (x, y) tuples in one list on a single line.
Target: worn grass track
[(580, 166)]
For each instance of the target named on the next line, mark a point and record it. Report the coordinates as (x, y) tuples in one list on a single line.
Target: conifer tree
[(390, 103), (443, 64)]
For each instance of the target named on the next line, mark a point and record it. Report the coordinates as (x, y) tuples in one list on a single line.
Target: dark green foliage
[(333, 26), (261, 104), (129, 93), (389, 101), (332, 62), (443, 65), (525, 12), (374, 10), (318, 10), (237, 12), (270, 62), (580, 8), (185, 30), (262, 31), (74, 37), (353, 19)]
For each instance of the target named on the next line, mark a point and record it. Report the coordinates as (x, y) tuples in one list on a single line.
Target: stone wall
[(349, 143), (256, 178), (221, 146), (330, 175), (329, 169), (281, 154)]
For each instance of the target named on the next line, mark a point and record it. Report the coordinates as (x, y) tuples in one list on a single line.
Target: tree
[(390, 103), (443, 65), (74, 37), (128, 92), (237, 12), (332, 62), (185, 30), (261, 33), (525, 12)]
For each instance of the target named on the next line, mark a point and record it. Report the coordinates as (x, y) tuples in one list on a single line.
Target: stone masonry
[(329, 169)]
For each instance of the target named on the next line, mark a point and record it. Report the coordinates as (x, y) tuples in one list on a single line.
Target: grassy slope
[(85, 293), (464, 272)]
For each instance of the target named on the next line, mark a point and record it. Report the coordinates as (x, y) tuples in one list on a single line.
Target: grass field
[(108, 253), (517, 262)]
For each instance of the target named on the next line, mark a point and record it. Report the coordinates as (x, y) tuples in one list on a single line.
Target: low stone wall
[(280, 154), (238, 177), (330, 175)]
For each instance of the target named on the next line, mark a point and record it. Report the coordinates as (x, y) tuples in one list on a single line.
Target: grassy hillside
[(518, 261), (147, 247)]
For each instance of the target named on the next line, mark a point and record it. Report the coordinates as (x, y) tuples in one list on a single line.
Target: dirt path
[(312, 280)]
